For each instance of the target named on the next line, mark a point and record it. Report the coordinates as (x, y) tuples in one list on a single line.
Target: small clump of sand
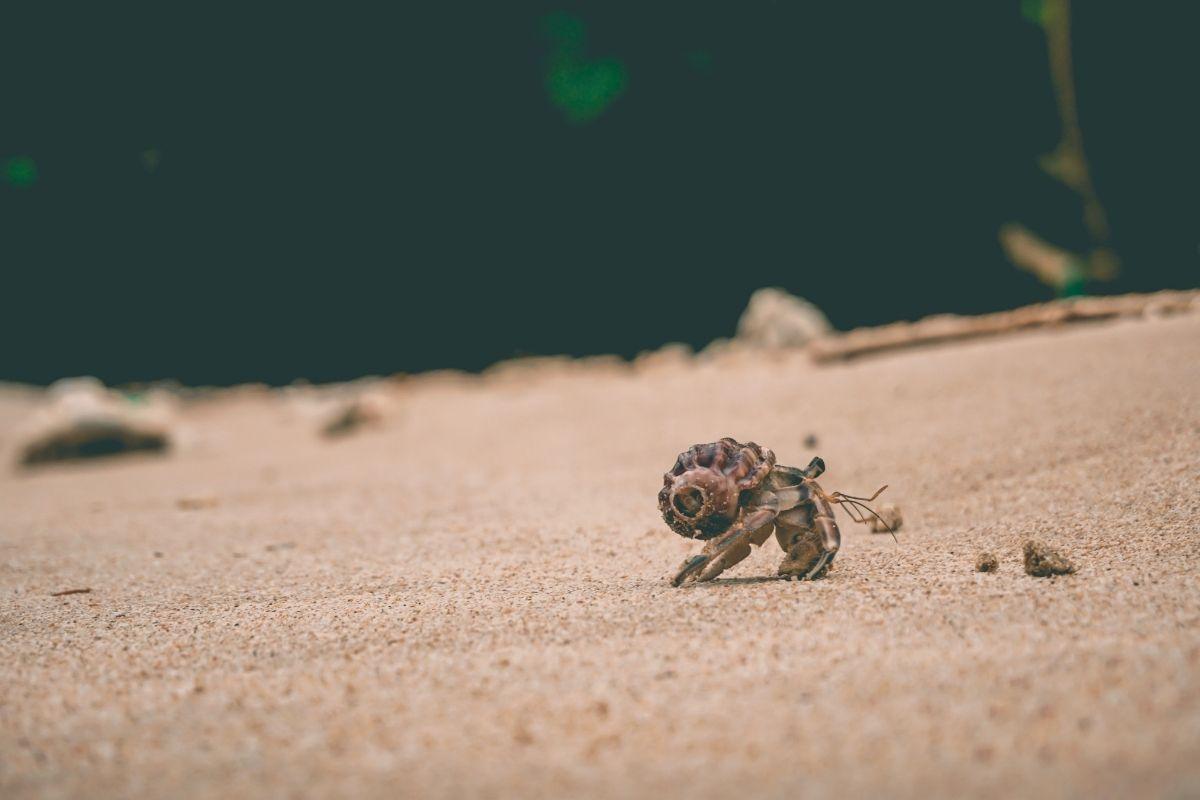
[(1042, 561), (986, 562)]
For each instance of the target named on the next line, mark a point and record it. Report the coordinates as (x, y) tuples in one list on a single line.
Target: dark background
[(238, 194)]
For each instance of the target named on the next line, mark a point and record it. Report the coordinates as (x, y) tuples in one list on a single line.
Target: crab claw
[(727, 549), (819, 568), (689, 568)]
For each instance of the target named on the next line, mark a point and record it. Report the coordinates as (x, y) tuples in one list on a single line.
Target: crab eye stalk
[(688, 501)]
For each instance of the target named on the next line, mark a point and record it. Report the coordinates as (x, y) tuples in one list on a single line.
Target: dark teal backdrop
[(221, 195)]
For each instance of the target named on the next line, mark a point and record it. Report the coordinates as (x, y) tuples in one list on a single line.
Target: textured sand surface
[(472, 600)]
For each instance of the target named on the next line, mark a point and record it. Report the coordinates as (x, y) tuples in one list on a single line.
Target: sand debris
[(1042, 561), (197, 502), (82, 419), (889, 515), (987, 562), (340, 410), (353, 415)]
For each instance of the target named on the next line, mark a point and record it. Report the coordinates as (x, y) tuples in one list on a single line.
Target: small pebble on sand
[(987, 562), (889, 516), (354, 415), (197, 502), (1042, 561)]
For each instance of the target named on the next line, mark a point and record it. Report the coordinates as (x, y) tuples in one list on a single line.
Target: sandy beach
[(471, 600)]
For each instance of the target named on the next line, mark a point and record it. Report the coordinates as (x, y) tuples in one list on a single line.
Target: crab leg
[(689, 568), (825, 558), (808, 535), (730, 548), (831, 537)]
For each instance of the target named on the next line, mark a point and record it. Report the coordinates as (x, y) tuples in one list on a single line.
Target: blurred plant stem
[(1053, 266), (1067, 164)]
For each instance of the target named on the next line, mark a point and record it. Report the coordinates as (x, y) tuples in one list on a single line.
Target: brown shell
[(720, 472)]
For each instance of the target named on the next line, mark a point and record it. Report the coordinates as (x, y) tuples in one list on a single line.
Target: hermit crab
[(734, 495)]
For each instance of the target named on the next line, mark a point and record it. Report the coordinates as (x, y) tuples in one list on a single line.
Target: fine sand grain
[(471, 599)]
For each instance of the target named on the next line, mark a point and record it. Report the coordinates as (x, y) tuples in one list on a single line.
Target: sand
[(471, 600)]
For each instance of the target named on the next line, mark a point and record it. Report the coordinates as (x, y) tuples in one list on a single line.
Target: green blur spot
[(581, 88), (564, 32), (151, 158), (1075, 280), (582, 91), (700, 60), (1034, 11), (21, 171)]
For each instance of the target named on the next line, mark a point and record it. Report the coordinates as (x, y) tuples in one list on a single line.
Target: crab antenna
[(851, 501), (870, 499), (852, 512), (858, 504)]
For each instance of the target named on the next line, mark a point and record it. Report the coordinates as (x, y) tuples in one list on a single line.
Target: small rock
[(354, 414), (775, 319), (987, 562), (888, 514), (83, 419), (197, 502), (1041, 561)]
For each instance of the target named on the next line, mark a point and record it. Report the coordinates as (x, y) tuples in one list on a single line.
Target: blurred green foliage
[(1076, 282), (151, 158), (20, 171), (1033, 11), (582, 89), (1044, 13), (700, 60)]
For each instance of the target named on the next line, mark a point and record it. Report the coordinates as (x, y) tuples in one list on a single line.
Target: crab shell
[(701, 494)]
